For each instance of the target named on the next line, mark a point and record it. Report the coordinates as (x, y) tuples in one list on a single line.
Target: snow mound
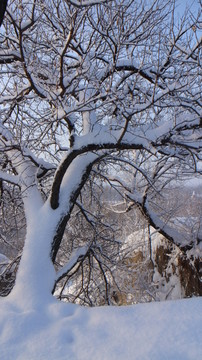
[(169, 330)]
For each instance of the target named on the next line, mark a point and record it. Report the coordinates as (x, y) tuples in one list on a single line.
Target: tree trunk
[(36, 274)]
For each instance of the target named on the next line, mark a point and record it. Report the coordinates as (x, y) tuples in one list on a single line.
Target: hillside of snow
[(169, 330)]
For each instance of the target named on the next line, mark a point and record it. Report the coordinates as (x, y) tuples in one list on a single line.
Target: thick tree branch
[(12, 179), (54, 200), (3, 4), (73, 197)]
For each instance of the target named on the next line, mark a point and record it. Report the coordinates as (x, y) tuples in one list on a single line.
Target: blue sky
[(193, 4)]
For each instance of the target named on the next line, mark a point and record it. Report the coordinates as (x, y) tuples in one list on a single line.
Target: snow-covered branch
[(77, 256), (84, 3), (170, 233), (13, 179)]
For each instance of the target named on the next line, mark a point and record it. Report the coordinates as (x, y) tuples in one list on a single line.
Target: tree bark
[(3, 5)]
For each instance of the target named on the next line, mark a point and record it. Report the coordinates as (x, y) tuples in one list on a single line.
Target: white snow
[(81, 251), (169, 330), (13, 179)]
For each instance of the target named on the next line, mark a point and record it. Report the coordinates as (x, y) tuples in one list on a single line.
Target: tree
[(85, 87)]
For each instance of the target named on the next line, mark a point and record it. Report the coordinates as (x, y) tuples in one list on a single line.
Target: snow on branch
[(13, 179), (76, 257), (174, 236), (84, 3), (25, 153), (9, 56), (39, 162), (5, 133)]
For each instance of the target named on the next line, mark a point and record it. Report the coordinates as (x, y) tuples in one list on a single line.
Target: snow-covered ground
[(169, 330)]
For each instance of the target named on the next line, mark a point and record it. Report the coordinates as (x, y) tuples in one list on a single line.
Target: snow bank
[(169, 330)]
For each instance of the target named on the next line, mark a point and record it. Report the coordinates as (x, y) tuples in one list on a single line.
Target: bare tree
[(83, 87)]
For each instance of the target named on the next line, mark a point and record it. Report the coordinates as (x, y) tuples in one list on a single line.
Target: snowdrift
[(169, 330)]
